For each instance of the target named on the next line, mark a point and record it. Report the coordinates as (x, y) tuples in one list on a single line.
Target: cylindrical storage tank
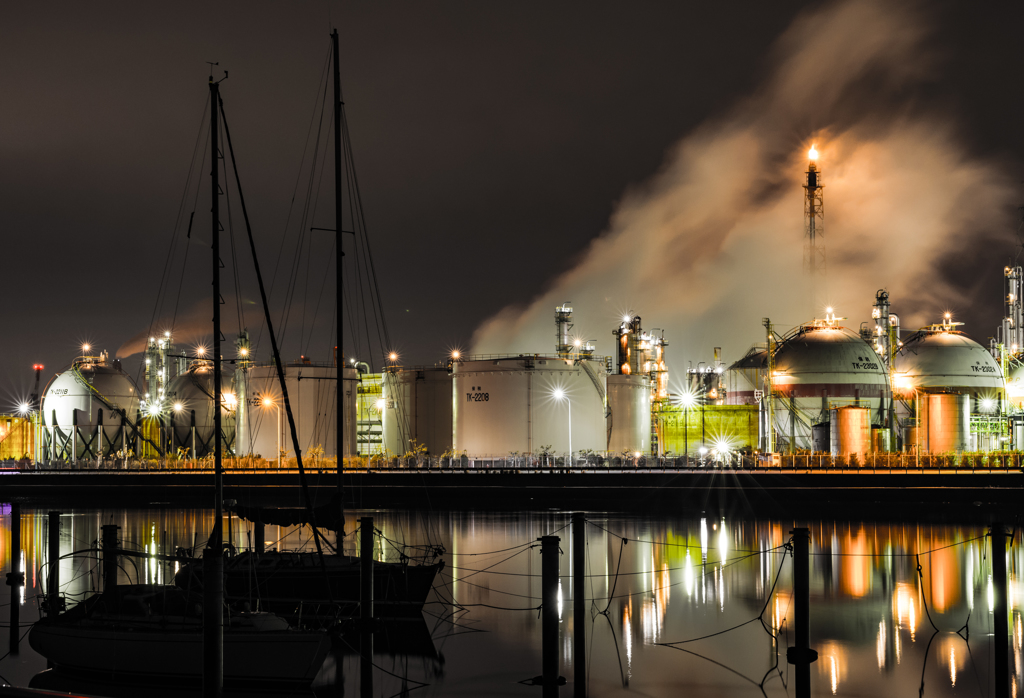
[(944, 421), (744, 377), (523, 404), (313, 399), (944, 359), (629, 413), (851, 432), (93, 392), (350, 391), (1015, 383), (417, 408), (818, 367), (191, 393), (821, 437)]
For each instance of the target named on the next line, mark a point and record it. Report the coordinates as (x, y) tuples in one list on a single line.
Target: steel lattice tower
[(814, 223)]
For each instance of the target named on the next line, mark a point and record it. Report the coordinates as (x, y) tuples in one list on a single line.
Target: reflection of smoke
[(714, 241)]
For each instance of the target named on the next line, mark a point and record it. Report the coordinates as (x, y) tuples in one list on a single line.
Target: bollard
[(549, 624), (1000, 629), (15, 578), (802, 655), (53, 605), (366, 606), (109, 546), (579, 609)]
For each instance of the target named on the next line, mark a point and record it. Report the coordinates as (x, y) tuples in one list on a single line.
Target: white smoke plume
[(715, 240)]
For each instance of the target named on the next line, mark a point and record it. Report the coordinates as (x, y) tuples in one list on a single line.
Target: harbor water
[(675, 605)]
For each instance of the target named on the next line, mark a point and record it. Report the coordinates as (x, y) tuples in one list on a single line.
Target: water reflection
[(673, 579)]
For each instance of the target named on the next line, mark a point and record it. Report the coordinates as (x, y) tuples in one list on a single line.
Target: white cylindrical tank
[(816, 368), (936, 358), (192, 393), (312, 394), (93, 391), (417, 407), (745, 377), (629, 413), (350, 392), (523, 404)]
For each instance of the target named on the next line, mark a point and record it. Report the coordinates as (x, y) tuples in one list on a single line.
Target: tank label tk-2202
[(478, 397)]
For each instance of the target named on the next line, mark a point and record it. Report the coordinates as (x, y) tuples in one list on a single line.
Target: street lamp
[(560, 395), (687, 399), (267, 402)]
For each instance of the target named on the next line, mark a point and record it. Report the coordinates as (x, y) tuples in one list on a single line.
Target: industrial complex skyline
[(494, 146)]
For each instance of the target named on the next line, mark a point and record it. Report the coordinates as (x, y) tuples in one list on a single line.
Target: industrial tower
[(814, 222)]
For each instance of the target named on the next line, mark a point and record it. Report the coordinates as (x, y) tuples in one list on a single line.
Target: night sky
[(493, 142)]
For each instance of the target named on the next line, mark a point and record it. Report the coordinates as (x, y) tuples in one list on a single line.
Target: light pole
[(687, 400), (560, 395), (267, 402)]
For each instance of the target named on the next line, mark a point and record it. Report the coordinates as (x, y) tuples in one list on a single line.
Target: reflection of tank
[(90, 411), (190, 399), (523, 404), (417, 407), (629, 413), (819, 366)]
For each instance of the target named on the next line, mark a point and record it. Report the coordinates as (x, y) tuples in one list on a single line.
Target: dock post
[(549, 624), (53, 570), (802, 655), (109, 546), (366, 606), (15, 578), (1000, 628), (579, 606)]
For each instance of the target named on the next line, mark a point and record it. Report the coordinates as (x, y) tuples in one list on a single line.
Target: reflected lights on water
[(832, 660), (880, 645)]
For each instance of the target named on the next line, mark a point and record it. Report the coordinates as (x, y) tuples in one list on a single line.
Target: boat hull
[(295, 584), (275, 657)]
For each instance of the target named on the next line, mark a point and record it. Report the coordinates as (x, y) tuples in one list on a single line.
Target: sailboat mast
[(213, 602), (338, 254)]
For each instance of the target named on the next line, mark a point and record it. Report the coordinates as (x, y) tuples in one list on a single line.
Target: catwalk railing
[(550, 463)]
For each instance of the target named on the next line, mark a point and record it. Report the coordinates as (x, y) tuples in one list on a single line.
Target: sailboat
[(162, 631), (317, 584)]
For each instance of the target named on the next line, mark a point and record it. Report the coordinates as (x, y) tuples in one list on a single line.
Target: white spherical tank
[(629, 413), (523, 404), (417, 407), (818, 367), (941, 358), (93, 392), (312, 394), (190, 394)]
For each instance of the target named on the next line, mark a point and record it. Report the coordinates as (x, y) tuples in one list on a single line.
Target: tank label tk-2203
[(867, 366)]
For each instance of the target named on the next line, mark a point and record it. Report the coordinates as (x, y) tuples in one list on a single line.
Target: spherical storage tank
[(818, 367), (523, 404), (941, 359), (629, 413), (192, 392), (92, 395), (417, 407)]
